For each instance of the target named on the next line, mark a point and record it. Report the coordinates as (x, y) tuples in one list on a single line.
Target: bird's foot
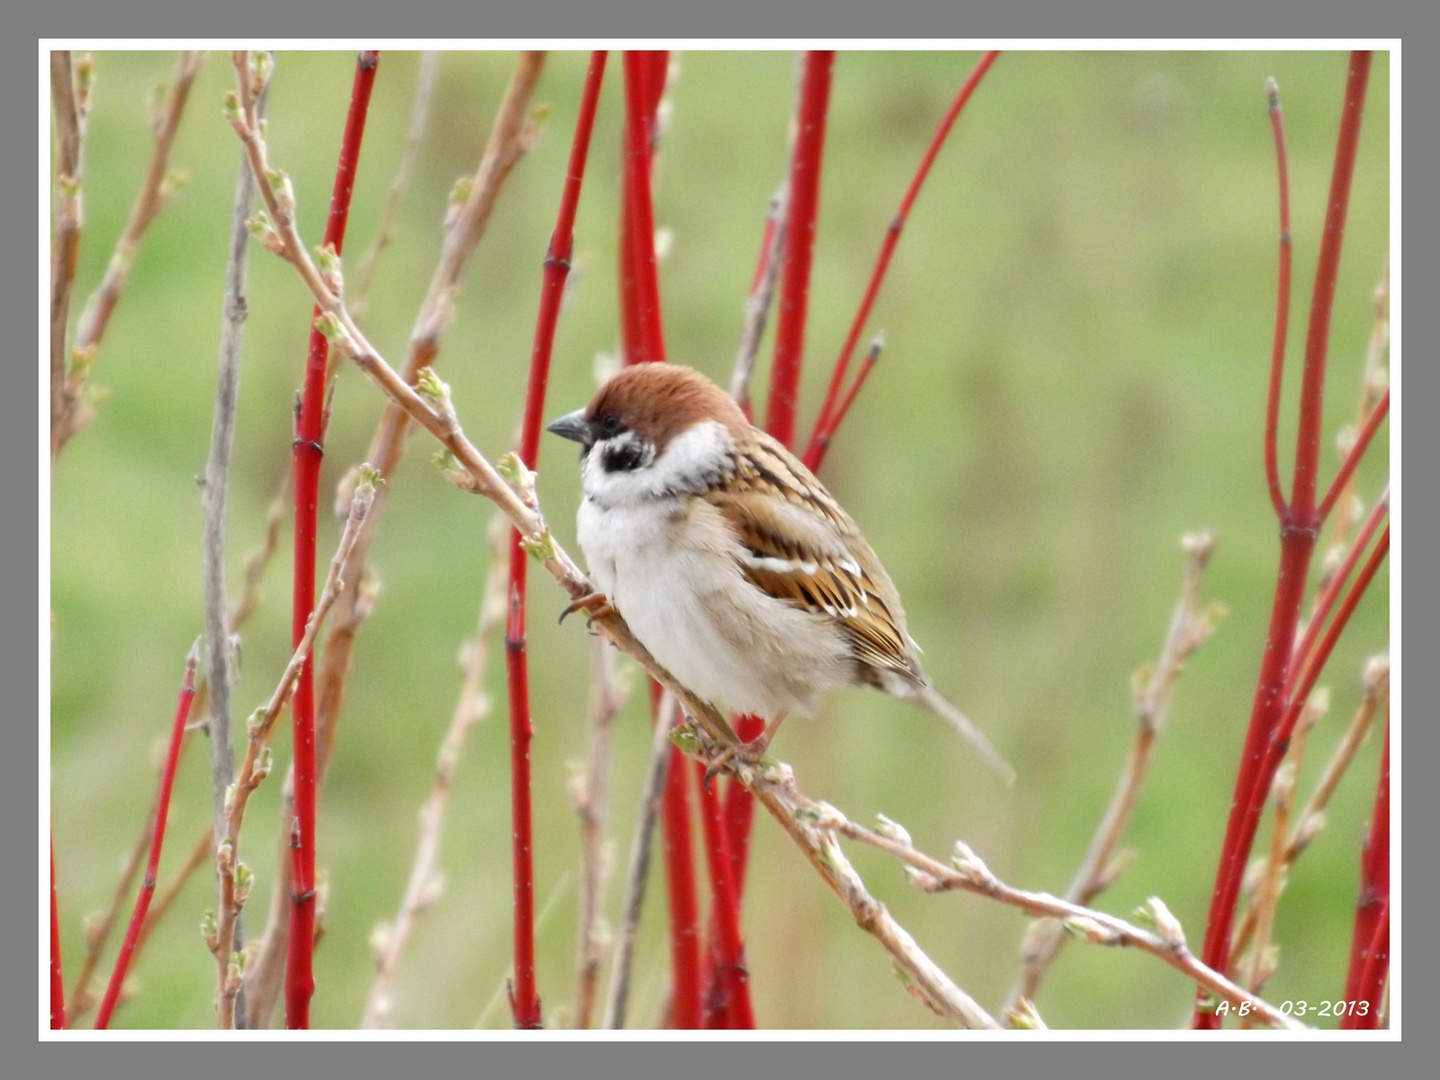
[(596, 605)]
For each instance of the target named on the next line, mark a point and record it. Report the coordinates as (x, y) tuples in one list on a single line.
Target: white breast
[(670, 566)]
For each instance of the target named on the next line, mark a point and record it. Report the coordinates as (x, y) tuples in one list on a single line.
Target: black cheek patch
[(622, 457)]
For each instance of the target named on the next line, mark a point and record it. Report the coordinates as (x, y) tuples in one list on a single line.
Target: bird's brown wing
[(799, 546)]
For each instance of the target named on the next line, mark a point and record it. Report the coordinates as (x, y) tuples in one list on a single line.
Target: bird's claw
[(750, 753), (596, 605)]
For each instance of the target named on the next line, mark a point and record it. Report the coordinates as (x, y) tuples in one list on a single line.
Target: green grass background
[(1079, 320)]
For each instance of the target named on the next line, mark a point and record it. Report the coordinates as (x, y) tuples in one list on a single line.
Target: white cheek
[(692, 461)]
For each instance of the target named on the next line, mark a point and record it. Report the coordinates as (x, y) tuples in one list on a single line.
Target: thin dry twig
[(757, 306), (966, 872), (1374, 380), (589, 793), (214, 497), (638, 866), (235, 877), (1266, 896), (424, 884), (419, 118), (70, 83), (156, 189), (1151, 690)]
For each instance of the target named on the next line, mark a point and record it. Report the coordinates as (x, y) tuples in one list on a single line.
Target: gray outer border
[(574, 19)]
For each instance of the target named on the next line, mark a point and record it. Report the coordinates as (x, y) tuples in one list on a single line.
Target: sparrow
[(730, 561)]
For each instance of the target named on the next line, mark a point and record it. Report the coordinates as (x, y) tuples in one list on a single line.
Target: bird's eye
[(609, 424)]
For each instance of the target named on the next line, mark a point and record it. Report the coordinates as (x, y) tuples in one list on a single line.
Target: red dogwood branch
[(1370, 944), (1300, 523), (644, 342), (309, 449), (152, 867), (1282, 307), (727, 1003), (524, 1000), (57, 972), (805, 165), (829, 419)]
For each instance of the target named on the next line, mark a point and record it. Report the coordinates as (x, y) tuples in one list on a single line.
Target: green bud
[(328, 323), (230, 107), (460, 191), (430, 385), (515, 472), (244, 881), (683, 737), (209, 928), (541, 546)]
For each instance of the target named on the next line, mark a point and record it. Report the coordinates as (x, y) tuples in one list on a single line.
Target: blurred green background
[(1078, 318)]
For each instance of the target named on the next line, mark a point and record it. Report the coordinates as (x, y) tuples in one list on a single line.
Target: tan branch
[(967, 873), (235, 878), (1151, 690), (69, 90), (590, 795)]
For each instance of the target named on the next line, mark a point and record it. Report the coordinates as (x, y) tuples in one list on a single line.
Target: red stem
[(1282, 310), (524, 1000), (57, 971), (1352, 459), (799, 244), (644, 342), (1327, 598), (825, 431), (1299, 528), (1370, 944), (1322, 301), (640, 298), (680, 883), (152, 866), (824, 424), (727, 995), (309, 449)]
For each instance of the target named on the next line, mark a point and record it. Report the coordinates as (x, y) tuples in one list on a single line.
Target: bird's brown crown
[(659, 401)]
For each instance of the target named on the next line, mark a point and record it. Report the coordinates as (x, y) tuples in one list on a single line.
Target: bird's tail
[(933, 701)]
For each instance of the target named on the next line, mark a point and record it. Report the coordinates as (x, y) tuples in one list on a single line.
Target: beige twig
[(637, 868), (1151, 690), (70, 83), (424, 884), (1373, 380), (1311, 819), (1267, 893), (757, 305), (156, 189), (235, 877), (419, 117), (590, 795), (967, 873)]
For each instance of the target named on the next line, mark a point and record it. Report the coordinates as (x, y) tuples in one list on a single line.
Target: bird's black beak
[(573, 426)]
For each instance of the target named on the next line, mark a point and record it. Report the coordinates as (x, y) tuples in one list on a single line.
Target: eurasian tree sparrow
[(730, 561)]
